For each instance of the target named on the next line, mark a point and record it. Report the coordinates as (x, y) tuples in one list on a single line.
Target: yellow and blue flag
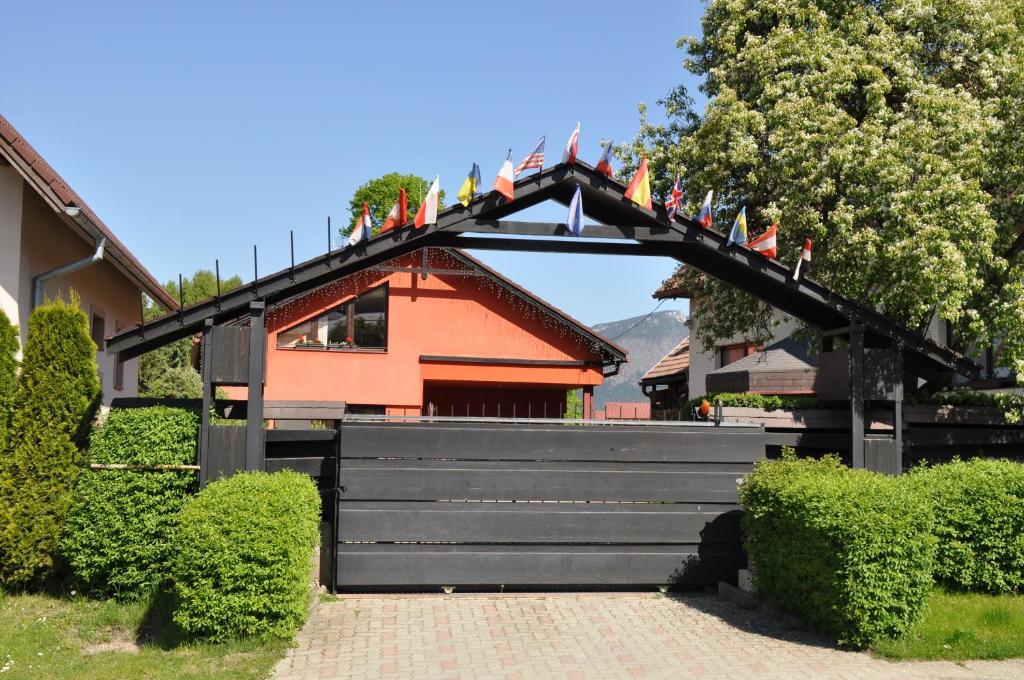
[(468, 190), (738, 234)]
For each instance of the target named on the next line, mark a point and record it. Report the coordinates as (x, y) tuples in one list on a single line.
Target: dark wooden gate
[(490, 504)]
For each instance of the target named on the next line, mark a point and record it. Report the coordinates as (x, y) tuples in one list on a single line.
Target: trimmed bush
[(242, 556), (769, 402), (56, 396), (117, 539), (849, 551), (8, 374), (979, 523)]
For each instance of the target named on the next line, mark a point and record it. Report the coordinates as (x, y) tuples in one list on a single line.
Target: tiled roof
[(44, 178), (672, 365), (787, 354)]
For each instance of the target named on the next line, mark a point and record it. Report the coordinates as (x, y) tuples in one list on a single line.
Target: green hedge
[(242, 556), (118, 532), (850, 551), (979, 523), (768, 402), (1011, 404)]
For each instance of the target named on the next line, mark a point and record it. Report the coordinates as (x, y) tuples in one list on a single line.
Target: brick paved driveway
[(578, 635)]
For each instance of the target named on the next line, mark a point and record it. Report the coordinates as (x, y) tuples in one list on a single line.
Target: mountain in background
[(647, 343)]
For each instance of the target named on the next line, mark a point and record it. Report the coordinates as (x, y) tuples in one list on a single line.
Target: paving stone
[(581, 635)]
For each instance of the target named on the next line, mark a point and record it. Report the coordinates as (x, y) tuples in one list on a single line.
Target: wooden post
[(897, 420), (856, 395), (588, 402), (206, 359), (257, 369)]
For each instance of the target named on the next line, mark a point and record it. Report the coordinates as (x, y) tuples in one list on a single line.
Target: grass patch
[(49, 637), (962, 626)]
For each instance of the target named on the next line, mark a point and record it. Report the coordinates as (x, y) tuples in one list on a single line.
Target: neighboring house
[(50, 243), (734, 365), (667, 383), (437, 333)]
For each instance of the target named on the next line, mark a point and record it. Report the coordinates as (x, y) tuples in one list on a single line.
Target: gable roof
[(787, 354), (633, 230), (59, 195), (672, 367)]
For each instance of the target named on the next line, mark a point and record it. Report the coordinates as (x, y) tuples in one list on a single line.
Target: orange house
[(433, 333)]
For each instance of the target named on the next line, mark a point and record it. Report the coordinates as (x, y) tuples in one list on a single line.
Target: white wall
[(10, 241)]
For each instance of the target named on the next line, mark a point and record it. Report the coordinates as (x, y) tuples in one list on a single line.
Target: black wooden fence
[(491, 504)]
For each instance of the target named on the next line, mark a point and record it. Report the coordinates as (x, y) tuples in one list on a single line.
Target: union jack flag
[(534, 160), (675, 199)]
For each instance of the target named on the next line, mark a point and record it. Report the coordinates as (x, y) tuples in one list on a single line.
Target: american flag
[(534, 160), (675, 199)]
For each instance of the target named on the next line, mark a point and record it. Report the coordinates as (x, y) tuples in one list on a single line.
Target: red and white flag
[(765, 243), (805, 256), (399, 214), (503, 182), (361, 230), (604, 166), (535, 159), (427, 214), (572, 146)]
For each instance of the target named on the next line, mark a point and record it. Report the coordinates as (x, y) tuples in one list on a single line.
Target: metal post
[(216, 264), (255, 273), (291, 242), (856, 395), (181, 302), (257, 369), (328, 241), (205, 354)]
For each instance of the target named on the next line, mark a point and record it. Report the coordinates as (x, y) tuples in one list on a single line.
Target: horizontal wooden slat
[(314, 466), (300, 435), (403, 566), (537, 522), (964, 436), (442, 480), (552, 442)]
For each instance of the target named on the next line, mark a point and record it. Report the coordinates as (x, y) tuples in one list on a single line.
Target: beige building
[(52, 242)]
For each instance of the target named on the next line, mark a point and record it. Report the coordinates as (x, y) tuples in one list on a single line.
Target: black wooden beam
[(604, 200)]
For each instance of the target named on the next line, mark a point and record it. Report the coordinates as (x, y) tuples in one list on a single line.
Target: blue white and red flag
[(675, 199)]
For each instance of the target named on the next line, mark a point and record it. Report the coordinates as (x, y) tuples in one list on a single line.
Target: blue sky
[(197, 129)]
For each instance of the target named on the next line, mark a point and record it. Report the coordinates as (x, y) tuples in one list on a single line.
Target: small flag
[(805, 256), (535, 159), (575, 220), (362, 228), (705, 218), (604, 165), (427, 214), (572, 146), (738, 234), (675, 199), (399, 214), (765, 243), (639, 189), (469, 186), (503, 182)]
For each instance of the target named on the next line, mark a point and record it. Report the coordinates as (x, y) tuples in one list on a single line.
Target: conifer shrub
[(117, 538), (8, 374), (56, 396), (242, 556), (979, 523), (850, 551)]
